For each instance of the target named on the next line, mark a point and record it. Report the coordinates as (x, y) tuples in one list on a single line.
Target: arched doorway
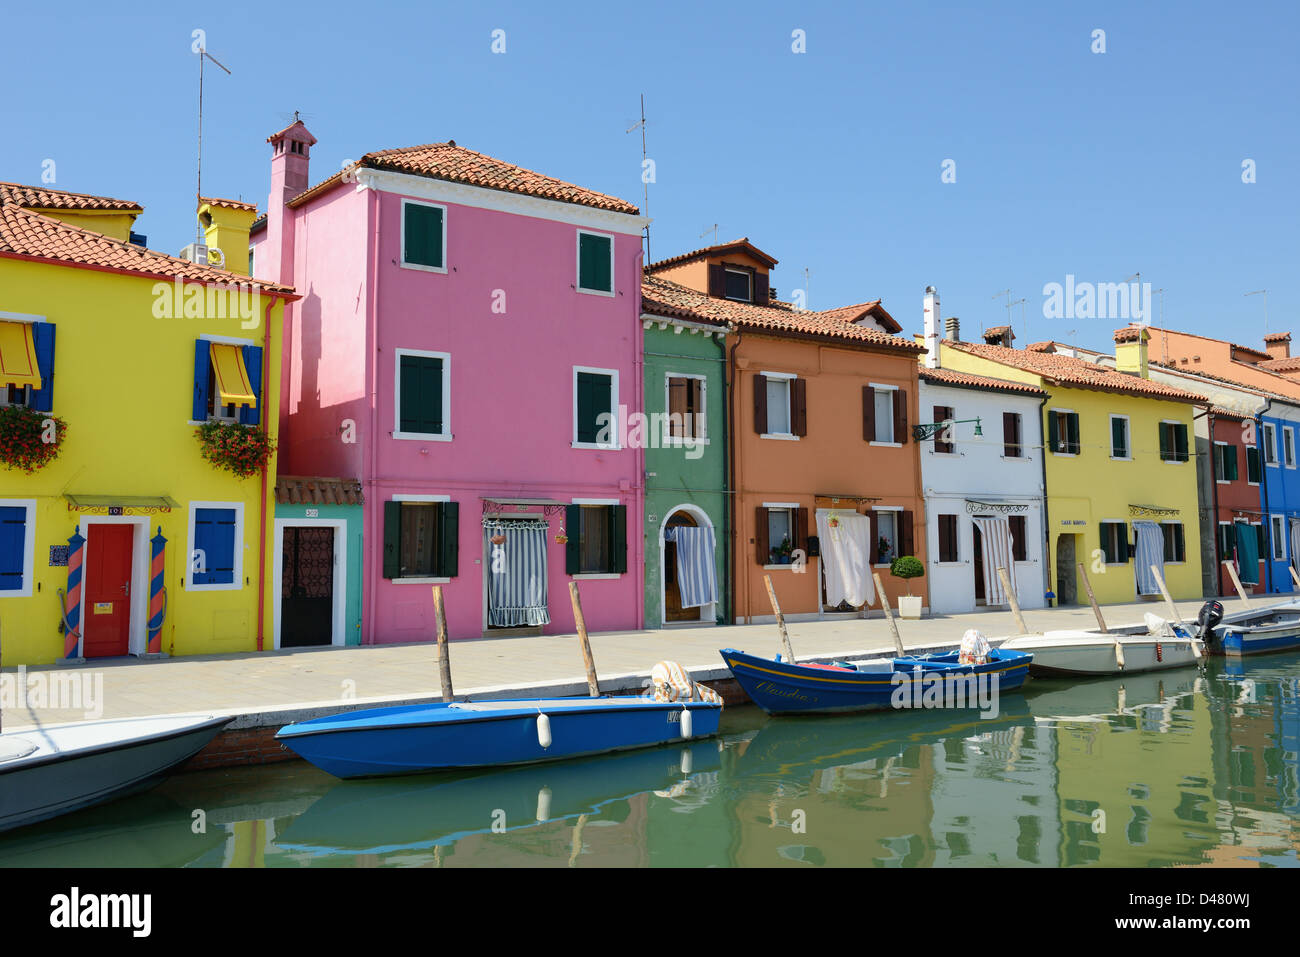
[(688, 516)]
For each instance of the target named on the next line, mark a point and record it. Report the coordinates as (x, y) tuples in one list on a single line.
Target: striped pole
[(72, 606), (156, 601)]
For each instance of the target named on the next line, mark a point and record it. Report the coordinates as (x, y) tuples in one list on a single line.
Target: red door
[(107, 614)]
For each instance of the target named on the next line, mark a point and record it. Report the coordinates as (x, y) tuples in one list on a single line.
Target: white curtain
[(1150, 551), (1295, 543), (696, 579), (996, 552), (844, 558), (517, 577)]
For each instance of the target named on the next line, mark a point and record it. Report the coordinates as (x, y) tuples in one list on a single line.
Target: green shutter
[(420, 394), (618, 531), (573, 529), (1230, 462), (593, 262), (1125, 552), (1180, 442), (1052, 432), (1252, 465), (1072, 432), (1105, 543), (1164, 441), (594, 391), (448, 540), (1118, 447), (392, 539), (422, 233)]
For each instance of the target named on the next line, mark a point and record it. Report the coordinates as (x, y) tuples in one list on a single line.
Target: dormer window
[(740, 285)]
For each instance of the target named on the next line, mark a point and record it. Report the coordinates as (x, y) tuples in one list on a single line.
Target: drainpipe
[(731, 465), (1263, 478), (1214, 492), (639, 489), (728, 498), (1047, 528), (368, 577), (261, 522)]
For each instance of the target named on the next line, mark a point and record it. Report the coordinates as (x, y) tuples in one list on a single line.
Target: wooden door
[(673, 610), (107, 616), (307, 587), (977, 545)]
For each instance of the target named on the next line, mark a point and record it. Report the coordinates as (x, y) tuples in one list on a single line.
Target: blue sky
[(1067, 161)]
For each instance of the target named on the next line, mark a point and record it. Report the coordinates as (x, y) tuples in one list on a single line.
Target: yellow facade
[(116, 224), (1092, 487), (124, 384)]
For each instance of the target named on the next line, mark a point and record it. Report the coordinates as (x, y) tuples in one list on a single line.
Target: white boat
[(1154, 646), (1258, 630), (45, 772)]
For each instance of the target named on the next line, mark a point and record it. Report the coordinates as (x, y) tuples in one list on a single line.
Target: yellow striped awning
[(231, 377), (18, 366)]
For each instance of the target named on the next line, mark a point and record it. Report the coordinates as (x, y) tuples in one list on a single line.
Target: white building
[(984, 494)]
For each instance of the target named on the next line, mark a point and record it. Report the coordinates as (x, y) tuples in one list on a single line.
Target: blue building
[(1278, 436)]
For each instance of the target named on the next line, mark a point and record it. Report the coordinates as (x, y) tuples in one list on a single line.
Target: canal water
[(1180, 768)]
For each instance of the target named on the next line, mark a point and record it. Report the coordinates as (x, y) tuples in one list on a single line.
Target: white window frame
[(1277, 538), (1127, 529), (577, 267), (1262, 557), (1174, 448), (1288, 454), (238, 549), (1072, 455), (1270, 448), (1128, 439), (1184, 528), (702, 420), (29, 546), (1020, 444), (420, 266), (616, 430), (419, 499), (789, 405), (446, 434), (1260, 454), (896, 511), (25, 402), (883, 387), (780, 506), (749, 277), (1217, 461)]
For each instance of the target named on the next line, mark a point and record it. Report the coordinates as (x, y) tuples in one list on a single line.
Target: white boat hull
[(46, 772), (1092, 653)]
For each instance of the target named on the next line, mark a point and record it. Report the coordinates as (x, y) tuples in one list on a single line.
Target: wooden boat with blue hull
[(475, 734), (1268, 630), (782, 687)]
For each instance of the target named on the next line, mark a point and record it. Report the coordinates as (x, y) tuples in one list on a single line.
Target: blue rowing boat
[(905, 682), (1256, 630), (475, 734)]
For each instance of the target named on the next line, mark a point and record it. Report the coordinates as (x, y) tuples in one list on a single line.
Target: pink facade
[(511, 325)]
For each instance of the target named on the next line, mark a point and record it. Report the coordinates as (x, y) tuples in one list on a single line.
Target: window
[(780, 529), (597, 536), (227, 382), (1175, 547), (1063, 431), (1114, 542), (27, 364), (1259, 539), (423, 395), (1226, 541), (20, 395), (1012, 446), (780, 405), (1252, 466), (421, 539), (948, 549), (1173, 441), (1270, 446), (686, 413), (595, 263), (1225, 462), (595, 408), (942, 443), (424, 236), (886, 537), (1019, 539), (884, 414), (1288, 447), (780, 538), (1119, 445), (216, 546), (739, 285), (16, 546), (1278, 523)]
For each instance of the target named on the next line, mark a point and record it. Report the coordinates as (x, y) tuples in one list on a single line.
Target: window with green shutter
[(1063, 432), (1173, 441), (594, 408), (597, 540), (421, 539), (1114, 542), (1252, 466), (1119, 437), (595, 262), (421, 393), (423, 233)]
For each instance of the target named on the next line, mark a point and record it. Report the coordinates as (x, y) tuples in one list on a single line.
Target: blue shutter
[(214, 534), (253, 365), (202, 369), (43, 339), (13, 539)]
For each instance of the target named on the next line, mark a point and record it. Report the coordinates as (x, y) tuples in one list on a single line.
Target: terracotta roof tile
[(1278, 337), (743, 245), (663, 297), (1281, 365), (40, 197), (228, 203), (304, 490), (456, 164), (997, 330), (1130, 334), (970, 381), (1047, 345), (1068, 371)]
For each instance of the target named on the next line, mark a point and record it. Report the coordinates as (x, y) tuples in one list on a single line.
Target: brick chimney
[(952, 327), (1000, 336), (290, 155), (1278, 345), (1131, 351)]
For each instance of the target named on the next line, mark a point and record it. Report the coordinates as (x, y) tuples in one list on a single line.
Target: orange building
[(820, 408)]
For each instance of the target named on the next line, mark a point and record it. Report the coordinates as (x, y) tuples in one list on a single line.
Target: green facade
[(673, 478), (352, 515)]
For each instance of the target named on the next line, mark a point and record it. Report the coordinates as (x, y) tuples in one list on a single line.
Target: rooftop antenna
[(711, 229), (1024, 322), (807, 284), (1007, 293), (645, 183), (1264, 293), (198, 191)]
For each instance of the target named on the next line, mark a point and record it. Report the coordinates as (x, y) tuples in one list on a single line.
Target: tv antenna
[(711, 229), (807, 286), (198, 190), (645, 183), (1264, 293)]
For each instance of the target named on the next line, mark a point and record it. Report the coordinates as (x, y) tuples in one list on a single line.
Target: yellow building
[(111, 356), (1120, 470)]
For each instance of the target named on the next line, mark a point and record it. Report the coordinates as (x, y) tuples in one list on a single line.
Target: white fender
[(544, 803), (543, 731), (686, 761), (686, 723)]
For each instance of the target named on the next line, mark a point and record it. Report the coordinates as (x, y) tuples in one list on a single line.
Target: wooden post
[(444, 661), (1011, 597), (889, 613), (780, 619), (1232, 573), (1101, 622), (592, 686), (1294, 575), (1160, 580)]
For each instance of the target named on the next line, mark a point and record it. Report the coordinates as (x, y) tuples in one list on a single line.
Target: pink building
[(467, 333)]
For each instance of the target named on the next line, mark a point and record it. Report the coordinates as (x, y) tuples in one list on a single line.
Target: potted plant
[(882, 549), (833, 521), (560, 537), (242, 449), (908, 567), (783, 551), (29, 440)]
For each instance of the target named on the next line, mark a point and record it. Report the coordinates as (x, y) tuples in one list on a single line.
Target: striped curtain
[(1150, 551), (995, 550), (696, 579), (516, 573)]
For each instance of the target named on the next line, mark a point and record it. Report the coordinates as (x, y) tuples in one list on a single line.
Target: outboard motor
[(1211, 614)]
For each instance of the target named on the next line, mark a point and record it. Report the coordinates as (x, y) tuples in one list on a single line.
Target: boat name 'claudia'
[(934, 690)]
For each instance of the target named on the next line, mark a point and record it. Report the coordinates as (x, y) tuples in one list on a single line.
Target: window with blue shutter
[(595, 263), (253, 364), (13, 547), (214, 545), (419, 395), (42, 399), (202, 380), (422, 235)]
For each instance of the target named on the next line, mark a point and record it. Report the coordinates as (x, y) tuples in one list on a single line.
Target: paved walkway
[(274, 687)]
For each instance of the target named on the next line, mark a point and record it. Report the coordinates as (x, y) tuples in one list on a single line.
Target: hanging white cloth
[(844, 556), (996, 551), (696, 579), (1150, 551), (1295, 543)]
